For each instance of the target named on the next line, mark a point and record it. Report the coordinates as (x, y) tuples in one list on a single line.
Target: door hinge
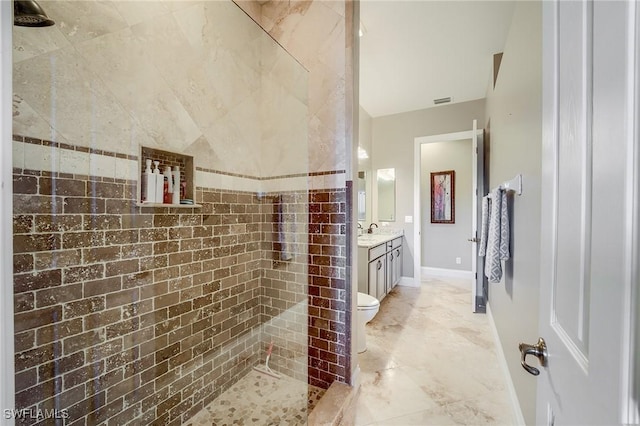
[(476, 275)]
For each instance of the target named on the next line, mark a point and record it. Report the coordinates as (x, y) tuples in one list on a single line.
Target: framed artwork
[(443, 199)]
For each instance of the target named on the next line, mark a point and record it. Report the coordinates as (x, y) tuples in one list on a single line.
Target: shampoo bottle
[(176, 185), (167, 186), (147, 188), (159, 182)]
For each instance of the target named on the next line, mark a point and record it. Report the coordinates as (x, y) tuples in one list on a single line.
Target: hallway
[(431, 361)]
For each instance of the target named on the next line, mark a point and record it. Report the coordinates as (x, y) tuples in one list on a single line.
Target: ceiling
[(413, 52)]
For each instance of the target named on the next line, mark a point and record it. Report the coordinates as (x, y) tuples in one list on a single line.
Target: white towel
[(497, 242)]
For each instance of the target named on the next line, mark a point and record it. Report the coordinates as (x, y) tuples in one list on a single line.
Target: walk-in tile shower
[(127, 313)]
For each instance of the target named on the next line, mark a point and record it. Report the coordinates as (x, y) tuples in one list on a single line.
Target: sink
[(369, 239)]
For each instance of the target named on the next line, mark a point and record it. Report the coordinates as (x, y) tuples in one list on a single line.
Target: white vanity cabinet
[(372, 270), (379, 264)]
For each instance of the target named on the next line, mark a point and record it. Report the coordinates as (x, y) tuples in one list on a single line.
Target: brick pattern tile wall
[(284, 284), (124, 312), (148, 314), (329, 312)]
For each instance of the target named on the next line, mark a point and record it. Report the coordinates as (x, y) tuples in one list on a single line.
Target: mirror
[(362, 196), (386, 179)]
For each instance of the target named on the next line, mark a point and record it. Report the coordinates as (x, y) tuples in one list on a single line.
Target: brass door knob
[(539, 350)]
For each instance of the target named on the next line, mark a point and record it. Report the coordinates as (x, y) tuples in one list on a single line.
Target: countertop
[(371, 240)]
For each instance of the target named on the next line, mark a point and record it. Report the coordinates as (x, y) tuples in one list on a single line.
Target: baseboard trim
[(428, 272), (502, 360), (409, 282)]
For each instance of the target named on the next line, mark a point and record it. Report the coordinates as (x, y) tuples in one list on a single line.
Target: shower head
[(28, 13)]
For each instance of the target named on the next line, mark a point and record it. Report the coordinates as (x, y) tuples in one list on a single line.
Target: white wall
[(514, 116), (365, 141), (393, 143), (443, 242)]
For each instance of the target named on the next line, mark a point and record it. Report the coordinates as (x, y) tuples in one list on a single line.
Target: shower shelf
[(172, 159)]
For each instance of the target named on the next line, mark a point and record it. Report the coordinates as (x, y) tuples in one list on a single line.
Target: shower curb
[(337, 407)]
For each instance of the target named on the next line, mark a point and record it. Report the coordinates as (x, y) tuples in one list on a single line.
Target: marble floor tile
[(431, 361), (385, 393)]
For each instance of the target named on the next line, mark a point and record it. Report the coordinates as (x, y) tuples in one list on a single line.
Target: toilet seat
[(367, 302), (368, 307)]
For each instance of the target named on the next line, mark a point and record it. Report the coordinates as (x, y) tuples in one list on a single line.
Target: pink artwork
[(443, 197)]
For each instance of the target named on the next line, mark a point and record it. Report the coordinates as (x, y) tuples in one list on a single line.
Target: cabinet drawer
[(377, 251), (396, 242)]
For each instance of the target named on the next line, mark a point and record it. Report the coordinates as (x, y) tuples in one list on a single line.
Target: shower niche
[(164, 159)]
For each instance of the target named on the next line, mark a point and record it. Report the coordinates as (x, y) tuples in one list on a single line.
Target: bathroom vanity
[(379, 263)]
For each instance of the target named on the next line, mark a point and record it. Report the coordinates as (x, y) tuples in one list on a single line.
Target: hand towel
[(485, 226), (497, 248), (283, 234), (505, 230)]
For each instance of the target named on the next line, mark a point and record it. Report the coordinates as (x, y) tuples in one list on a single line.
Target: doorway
[(421, 211)]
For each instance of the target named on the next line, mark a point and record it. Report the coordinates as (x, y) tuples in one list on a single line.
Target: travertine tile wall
[(216, 153), (134, 314), (284, 284), (317, 33), (195, 77), (329, 313), (322, 332), (131, 314)]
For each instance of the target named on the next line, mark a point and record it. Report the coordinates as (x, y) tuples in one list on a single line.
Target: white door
[(478, 280), (589, 183)]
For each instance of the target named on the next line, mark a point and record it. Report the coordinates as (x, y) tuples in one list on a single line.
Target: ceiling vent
[(442, 101)]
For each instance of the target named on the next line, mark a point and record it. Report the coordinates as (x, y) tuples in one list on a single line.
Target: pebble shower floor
[(258, 399)]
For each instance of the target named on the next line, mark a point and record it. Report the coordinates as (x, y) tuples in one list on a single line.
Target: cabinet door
[(382, 279), (390, 270), (397, 265), (363, 270), (372, 289), (378, 271), (377, 278)]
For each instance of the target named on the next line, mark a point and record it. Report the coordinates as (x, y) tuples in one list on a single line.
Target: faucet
[(370, 230)]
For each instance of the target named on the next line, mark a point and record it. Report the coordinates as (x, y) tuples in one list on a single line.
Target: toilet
[(367, 309)]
